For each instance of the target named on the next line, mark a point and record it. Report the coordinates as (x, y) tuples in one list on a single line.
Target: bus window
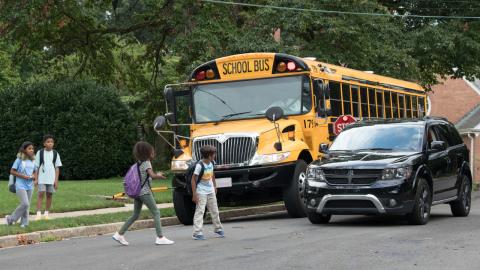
[(346, 99), (364, 102), (395, 105), (355, 101), (388, 105), (421, 106), (335, 98), (414, 106), (409, 106), (371, 100), (401, 105), (379, 97), (306, 96)]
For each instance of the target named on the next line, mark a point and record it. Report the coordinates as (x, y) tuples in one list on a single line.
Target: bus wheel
[(184, 207), (294, 194)]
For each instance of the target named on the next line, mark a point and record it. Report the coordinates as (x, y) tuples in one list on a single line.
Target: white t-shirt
[(46, 172)]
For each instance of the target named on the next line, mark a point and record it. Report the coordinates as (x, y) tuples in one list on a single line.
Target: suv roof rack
[(435, 118)]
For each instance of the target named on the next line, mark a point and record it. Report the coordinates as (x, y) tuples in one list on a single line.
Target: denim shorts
[(46, 188)]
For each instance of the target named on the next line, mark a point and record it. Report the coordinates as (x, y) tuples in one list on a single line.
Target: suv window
[(431, 136), (443, 134), (455, 135)]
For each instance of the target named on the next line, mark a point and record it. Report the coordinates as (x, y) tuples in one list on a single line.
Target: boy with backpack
[(48, 165), (204, 189)]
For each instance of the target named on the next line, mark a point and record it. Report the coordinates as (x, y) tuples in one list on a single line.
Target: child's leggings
[(23, 209), (149, 201)]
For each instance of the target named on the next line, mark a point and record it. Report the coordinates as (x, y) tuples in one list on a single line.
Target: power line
[(340, 12)]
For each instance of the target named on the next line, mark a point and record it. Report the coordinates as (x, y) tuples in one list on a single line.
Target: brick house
[(459, 101)]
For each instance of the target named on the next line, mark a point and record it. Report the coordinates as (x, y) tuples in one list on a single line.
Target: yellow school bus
[(268, 115)]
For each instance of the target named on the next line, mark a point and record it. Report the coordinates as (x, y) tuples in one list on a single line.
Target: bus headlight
[(180, 165), (270, 158)]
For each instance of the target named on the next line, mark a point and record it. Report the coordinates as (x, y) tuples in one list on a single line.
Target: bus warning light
[(281, 67), (210, 74), (291, 66), (200, 76)]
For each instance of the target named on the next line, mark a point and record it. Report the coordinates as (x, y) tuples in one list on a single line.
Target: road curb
[(101, 229)]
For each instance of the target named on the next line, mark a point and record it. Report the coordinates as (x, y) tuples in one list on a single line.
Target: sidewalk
[(126, 208)]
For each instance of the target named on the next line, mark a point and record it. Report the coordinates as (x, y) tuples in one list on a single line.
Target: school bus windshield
[(250, 99)]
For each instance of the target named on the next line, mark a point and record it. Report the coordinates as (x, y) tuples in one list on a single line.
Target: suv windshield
[(248, 99), (380, 137)]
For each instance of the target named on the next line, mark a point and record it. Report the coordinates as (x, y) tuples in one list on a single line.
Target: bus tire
[(294, 193), (184, 207)]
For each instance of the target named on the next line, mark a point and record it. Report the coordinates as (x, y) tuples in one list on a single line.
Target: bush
[(94, 131)]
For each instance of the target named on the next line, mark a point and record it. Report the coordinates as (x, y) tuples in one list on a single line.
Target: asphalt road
[(275, 242)]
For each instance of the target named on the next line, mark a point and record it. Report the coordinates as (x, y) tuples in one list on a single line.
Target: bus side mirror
[(170, 117), (274, 114), (169, 95), (158, 123)]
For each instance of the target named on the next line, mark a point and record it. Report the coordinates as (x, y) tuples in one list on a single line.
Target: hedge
[(94, 131)]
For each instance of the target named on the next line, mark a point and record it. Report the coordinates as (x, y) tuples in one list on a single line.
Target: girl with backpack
[(23, 170), (144, 153)]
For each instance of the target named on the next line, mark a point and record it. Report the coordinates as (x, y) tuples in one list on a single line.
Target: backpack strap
[(139, 174), (42, 158), (55, 154), (200, 175)]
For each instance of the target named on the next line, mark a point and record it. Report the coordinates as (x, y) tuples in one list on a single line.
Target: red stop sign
[(341, 122)]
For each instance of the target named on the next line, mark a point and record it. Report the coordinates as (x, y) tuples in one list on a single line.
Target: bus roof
[(261, 65)]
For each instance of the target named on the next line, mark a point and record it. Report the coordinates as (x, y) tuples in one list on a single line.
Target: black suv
[(388, 167)]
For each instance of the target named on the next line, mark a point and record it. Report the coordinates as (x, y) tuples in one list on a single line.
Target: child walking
[(24, 170), (48, 163), (144, 153), (204, 194)]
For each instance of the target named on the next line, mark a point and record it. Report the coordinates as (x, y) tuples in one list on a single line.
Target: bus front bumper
[(259, 177)]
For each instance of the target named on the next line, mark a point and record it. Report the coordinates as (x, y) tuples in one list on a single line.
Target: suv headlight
[(180, 165), (315, 174), (270, 158), (397, 173)]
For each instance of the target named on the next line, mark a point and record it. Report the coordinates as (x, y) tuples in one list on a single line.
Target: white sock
[(39, 213), (46, 213)]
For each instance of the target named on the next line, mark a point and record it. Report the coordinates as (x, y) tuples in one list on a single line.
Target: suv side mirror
[(323, 148), (438, 145)]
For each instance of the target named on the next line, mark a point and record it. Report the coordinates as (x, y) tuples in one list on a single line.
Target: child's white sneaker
[(120, 239), (163, 241), (7, 220), (45, 215), (38, 216)]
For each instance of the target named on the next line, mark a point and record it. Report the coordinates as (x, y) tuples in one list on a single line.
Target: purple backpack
[(132, 181)]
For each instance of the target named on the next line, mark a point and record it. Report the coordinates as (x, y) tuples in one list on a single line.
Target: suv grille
[(235, 150), (352, 177)]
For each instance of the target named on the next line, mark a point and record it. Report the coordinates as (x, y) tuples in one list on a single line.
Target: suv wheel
[(423, 202), (316, 218), (294, 194), (461, 207)]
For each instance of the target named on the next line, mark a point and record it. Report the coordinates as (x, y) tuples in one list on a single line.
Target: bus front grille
[(231, 150)]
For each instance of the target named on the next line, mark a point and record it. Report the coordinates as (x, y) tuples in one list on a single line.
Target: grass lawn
[(80, 195), (60, 223)]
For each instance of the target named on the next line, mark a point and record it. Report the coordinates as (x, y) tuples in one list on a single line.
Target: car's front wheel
[(316, 218), (461, 207), (423, 202)]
